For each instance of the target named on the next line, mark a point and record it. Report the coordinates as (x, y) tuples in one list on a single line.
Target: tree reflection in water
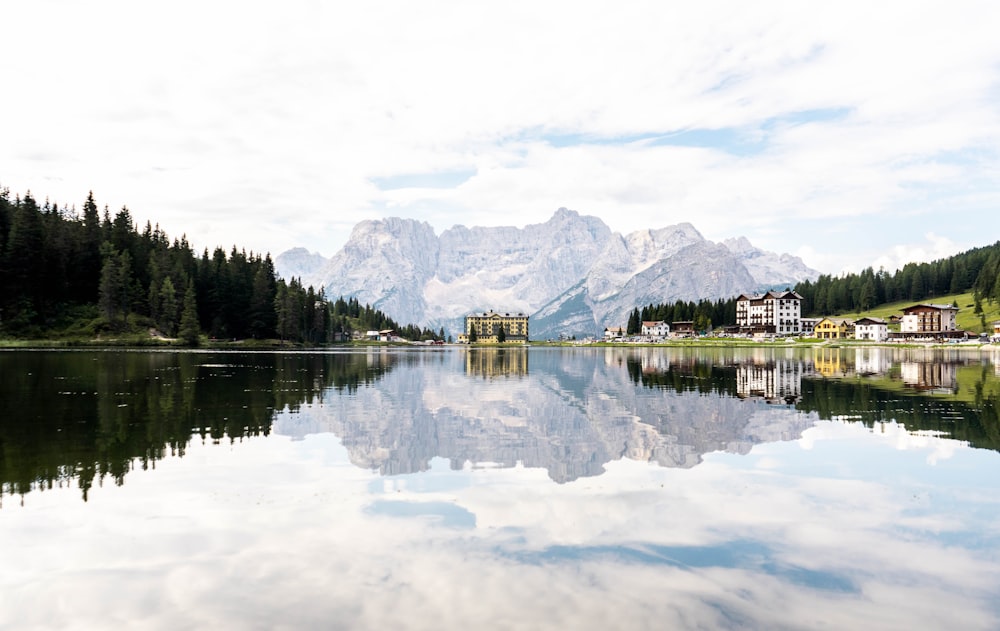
[(83, 417)]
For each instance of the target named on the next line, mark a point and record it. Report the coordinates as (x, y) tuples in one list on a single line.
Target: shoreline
[(267, 345)]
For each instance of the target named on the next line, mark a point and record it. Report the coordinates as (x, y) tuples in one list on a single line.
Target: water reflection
[(788, 521), (497, 362), (87, 417), (585, 408), (82, 418), (577, 412)]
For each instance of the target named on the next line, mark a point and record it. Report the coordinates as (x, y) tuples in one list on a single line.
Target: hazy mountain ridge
[(572, 274)]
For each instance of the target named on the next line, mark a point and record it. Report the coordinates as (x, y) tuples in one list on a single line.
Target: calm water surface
[(500, 489)]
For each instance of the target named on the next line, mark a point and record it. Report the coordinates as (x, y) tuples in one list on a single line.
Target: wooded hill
[(90, 274), (976, 270)]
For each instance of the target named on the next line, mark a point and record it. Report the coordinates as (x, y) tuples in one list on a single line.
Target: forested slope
[(92, 273)]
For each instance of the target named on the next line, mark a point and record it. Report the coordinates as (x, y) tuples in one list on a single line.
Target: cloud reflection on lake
[(824, 524)]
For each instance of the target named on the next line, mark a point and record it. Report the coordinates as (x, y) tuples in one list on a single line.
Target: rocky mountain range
[(571, 274)]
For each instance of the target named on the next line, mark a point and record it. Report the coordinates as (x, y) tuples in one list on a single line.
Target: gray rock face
[(299, 263), (768, 268), (572, 274)]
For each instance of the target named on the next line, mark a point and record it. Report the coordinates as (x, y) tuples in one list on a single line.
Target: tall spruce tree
[(189, 332), (168, 307)]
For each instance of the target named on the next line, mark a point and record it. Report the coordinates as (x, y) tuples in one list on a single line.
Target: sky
[(850, 133)]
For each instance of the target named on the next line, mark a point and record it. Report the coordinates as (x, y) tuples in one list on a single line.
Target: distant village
[(779, 314), (769, 315)]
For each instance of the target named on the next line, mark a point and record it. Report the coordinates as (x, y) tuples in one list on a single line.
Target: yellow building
[(834, 328), (485, 327)]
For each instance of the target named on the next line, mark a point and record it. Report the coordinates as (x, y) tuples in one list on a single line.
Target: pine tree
[(282, 315), (153, 299), (262, 309), (866, 298), (168, 307), (23, 280), (108, 290), (634, 323), (125, 286), (189, 331)]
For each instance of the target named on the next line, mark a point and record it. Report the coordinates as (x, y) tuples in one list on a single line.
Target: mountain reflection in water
[(76, 418)]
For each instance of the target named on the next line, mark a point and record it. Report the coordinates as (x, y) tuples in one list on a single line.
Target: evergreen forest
[(95, 275), (704, 314), (976, 270)]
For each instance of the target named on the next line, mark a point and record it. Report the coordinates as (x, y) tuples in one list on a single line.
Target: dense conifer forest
[(704, 314), (976, 270), (94, 274)]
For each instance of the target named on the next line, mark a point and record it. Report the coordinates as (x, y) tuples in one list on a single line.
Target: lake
[(546, 488)]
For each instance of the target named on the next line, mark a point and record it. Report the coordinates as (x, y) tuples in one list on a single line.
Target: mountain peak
[(572, 273), (767, 268)]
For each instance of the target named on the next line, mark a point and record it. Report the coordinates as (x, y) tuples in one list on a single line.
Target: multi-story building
[(655, 329), (773, 313), (486, 327), (929, 318), (808, 326)]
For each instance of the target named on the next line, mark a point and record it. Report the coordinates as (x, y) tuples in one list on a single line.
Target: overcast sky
[(851, 134)]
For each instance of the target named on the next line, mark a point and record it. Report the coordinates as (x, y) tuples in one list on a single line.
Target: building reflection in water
[(871, 361), (774, 381), (830, 362), (937, 378), (651, 360), (497, 362)]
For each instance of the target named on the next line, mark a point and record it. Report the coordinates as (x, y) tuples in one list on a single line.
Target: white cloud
[(242, 122), (935, 247)]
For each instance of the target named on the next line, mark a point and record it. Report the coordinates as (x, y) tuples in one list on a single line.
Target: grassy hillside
[(967, 319)]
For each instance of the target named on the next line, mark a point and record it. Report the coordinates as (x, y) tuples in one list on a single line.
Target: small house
[(614, 333), (834, 328), (683, 328), (655, 329), (873, 329)]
